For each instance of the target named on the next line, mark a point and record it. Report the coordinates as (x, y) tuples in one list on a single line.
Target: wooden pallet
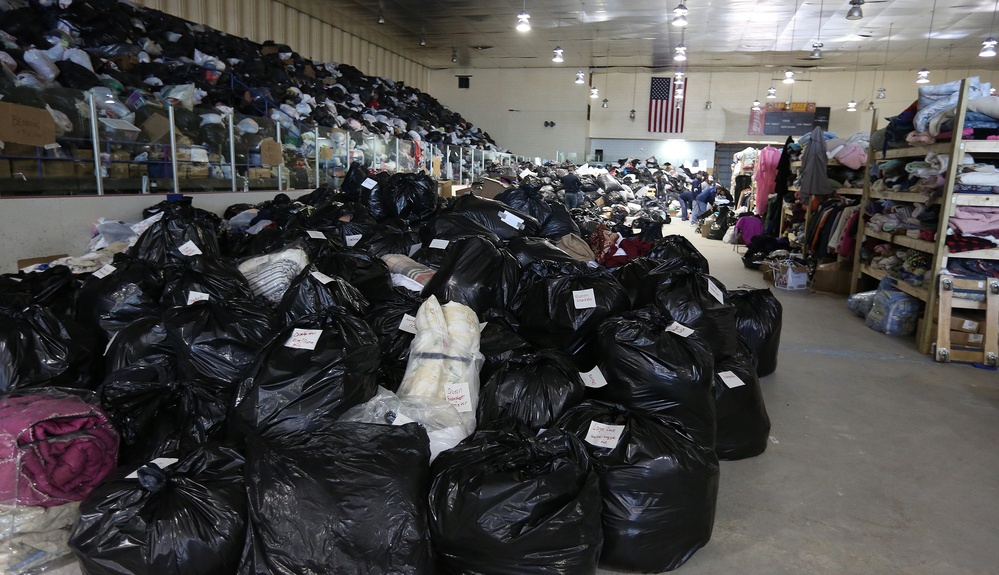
[(944, 352)]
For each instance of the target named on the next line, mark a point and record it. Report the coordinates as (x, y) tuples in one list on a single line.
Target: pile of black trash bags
[(226, 360)]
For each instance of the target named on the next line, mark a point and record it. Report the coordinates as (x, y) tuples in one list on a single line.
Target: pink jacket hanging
[(765, 176)]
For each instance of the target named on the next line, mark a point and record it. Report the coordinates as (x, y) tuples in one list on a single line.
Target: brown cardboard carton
[(137, 170), (445, 188), (26, 168), (833, 278), (197, 171), (58, 169), (259, 173), (4, 169), (965, 339), (118, 171), (271, 153), (26, 125), (21, 264), (156, 128), (491, 188), (967, 323)]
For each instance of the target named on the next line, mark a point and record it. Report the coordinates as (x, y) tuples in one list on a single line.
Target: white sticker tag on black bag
[(512, 220), (401, 419), (604, 435), (317, 235), (594, 379), (104, 271), (414, 248), (457, 394), (439, 244), (161, 462), (408, 324), (196, 296), (321, 277), (304, 339), (584, 299), (716, 291), (680, 329), (730, 379), (369, 184), (353, 239), (190, 249)]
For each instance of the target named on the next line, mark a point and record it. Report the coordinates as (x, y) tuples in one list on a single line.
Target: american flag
[(664, 114)]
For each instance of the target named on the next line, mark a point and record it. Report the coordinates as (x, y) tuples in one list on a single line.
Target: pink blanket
[(53, 449), (975, 221)]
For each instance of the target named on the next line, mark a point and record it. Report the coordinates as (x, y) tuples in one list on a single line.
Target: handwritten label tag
[(584, 299), (970, 325), (195, 297), (190, 249), (976, 338), (353, 239), (408, 324), (401, 419), (511, 220), (730, 379), (321, 277), (715, 291), (304, 339), (317, 235), (525, 173), (594, 379), (369, 184), (161, 462), (104, 271), (439, 244), (680, 329), (603, 435), (457, 395), (414, 248)]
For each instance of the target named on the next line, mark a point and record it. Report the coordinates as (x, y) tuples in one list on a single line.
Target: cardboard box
[(271, 152), (58, 169), (26, 125), (491, 188), (259, 173), (197, 171), (967, 323), (964, 339), (21, 264), (84, 169), (118, 171), (4, 169), (787, 277), (156, 128), (137, 170), (445, 188), (26, 168), (833, 278)]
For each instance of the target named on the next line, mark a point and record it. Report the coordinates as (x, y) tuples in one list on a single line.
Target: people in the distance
[(572, 187)]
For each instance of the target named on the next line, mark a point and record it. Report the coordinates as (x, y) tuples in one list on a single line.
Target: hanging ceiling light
[(756, 105), (632, 114), (580, 77), (923, 75), (604, 103), (680, 54), (816, 53), (594, 92), (707, 104), (771, 93), (557, 55), (989, 45), (870, 106), (381, 19), (454, 56), (851, 106), (524, 20), (884, 69), (855, 12), (680, 15), (788, 76), (423, 41)]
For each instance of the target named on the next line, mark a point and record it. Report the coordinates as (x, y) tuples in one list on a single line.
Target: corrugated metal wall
[(261, 20)]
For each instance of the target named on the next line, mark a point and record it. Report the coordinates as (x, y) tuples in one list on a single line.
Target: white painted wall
[(675, 152)]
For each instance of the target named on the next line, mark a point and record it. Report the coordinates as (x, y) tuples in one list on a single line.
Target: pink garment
[(765, 176), (975, 221), (848, 241), (749, 227), (54, 449), (853, 156)]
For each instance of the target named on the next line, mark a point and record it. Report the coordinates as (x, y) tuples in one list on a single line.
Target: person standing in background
[(572, 187), (703, 199)]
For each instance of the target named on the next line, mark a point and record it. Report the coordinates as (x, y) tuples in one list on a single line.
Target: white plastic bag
[(41, 64)]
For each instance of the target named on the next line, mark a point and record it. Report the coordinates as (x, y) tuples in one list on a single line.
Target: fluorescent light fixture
[(988, 48), (381, 19), (923, 76), (557, 55), (580, 79), (523, 22), (454, 57), (681, 53), (851, 106), (870, 106), (631, 114), (771, 93), (680, 15), (855, 12), (423, 41), (756, 105), (788, 77), (881, 94), (707, 105), (604, 103), (816, 53), (594, 93)]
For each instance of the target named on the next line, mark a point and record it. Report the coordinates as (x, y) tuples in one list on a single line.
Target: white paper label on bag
[(190, 249), (104, 271), (317, 235), (603, 435), (52, 146), (408, 324), (730, 379), (414, 248), (196, 296), (680, 329), (525, 173), (584, 299), (161, 462), (369, 184), (401, 419), (322, 278), (628, 221), (969, 325), (304, 339), (716, 291), (512, 220), (439, 244), (636, 231), (352, 240), (457, 394), (594, 379)]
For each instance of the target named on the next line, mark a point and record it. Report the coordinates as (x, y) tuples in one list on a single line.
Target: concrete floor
[(881, 461)]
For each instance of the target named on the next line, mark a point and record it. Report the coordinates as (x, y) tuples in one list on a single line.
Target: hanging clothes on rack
[(765, 176), (814, 167), (785, 176)]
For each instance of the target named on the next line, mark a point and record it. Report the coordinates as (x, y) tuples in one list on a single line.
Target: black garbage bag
[(120, 293), (527, 199), (528, 250), (557, 310), (39, 350), (759, 317), (559, 223), (655, 370), (314, 292), (192, 279), (500, 342), (55, 288), (743, 423), (174, 239), (394, 338), (701, 303), (318, 197), (411, 197), (501, 219), (183, 208), (366, 491), (301, 384), (159, 416), (332, 216), (436, 236), (475, 273), (534, 389), (188, 518), (609, 184), (677, 247), (512, 502), (353, 180), (366, 272), (218, 339), (659, 486), (391, 237)]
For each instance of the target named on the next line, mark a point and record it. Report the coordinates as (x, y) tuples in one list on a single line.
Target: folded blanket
[(975, 221), (53, 449), (402, 265)]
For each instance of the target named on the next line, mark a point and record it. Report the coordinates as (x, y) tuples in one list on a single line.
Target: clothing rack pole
[(804, 232)]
